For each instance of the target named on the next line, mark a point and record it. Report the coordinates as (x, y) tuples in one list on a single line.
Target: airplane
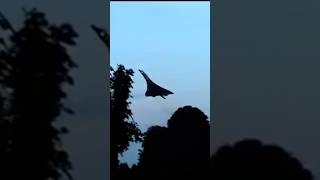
[(5, 24), (103, 35), (153, 89)]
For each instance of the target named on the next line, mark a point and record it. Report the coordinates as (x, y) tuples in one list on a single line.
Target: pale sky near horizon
[(170, 41)]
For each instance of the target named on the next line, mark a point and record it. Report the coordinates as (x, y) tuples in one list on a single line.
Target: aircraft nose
[(93, 26)]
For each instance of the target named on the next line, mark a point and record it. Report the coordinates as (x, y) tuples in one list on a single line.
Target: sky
[(170, 42), (266, 56), (87, 141)]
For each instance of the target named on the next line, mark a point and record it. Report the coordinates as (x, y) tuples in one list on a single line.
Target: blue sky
[(170, 41)]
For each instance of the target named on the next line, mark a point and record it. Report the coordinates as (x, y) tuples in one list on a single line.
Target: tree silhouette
[(153, 160), (250, 159), (181, 150), (37, 65), (123, 130), (5, 56)]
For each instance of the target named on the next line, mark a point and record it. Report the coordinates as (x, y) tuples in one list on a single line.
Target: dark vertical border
[(212, 72), (107, 6)]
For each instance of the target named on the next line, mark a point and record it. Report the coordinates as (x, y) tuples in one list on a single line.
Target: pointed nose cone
[(94, 27)]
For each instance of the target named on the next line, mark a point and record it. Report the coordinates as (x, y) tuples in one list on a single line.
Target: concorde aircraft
[(153, 89), (103, 35)]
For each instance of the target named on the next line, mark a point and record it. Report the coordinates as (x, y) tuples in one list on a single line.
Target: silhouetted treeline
[(250, 159), (179, 151), (34, 65)]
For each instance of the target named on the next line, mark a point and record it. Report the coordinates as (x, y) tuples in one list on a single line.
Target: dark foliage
[(252, 160), (34, 66), (124, 130), (180, 150)]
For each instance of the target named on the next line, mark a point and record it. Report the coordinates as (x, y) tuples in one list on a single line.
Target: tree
[(250, 159), (123, 130), (37, 66), (180, 150), (153, 158)]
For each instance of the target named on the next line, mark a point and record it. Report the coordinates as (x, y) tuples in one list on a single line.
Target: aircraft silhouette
[(153, 89), (103, 35), (5, 24)]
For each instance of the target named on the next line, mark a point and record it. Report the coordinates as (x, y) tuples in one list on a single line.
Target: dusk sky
[(267, 62), (170, 41)]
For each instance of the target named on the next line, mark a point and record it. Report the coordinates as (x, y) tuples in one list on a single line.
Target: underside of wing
[(155, 90)]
